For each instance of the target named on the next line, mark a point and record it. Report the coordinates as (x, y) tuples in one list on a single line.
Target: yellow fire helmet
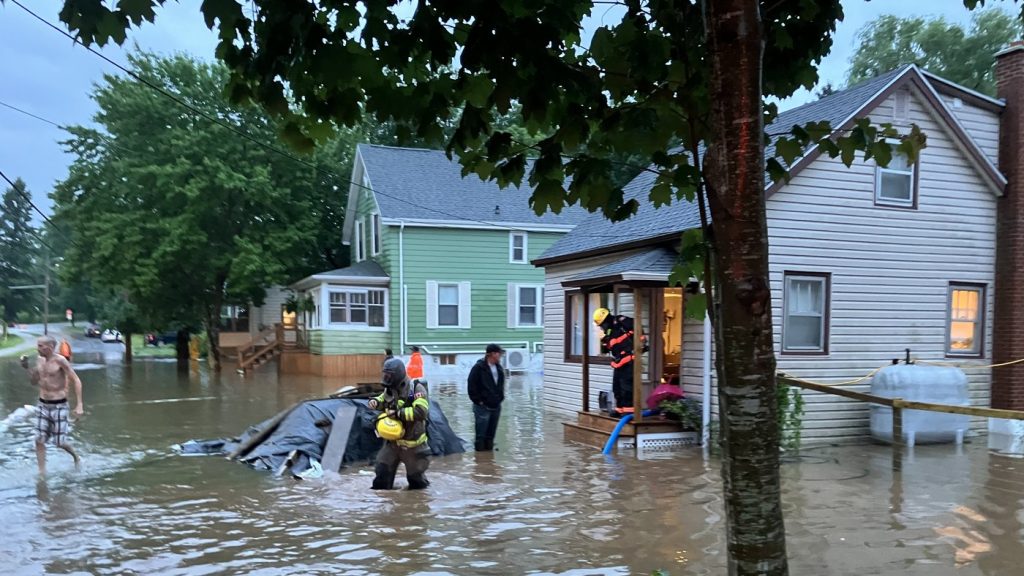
[(389, 428), (600, 314)]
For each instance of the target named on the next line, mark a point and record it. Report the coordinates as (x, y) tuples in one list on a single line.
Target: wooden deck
[(594, 428)]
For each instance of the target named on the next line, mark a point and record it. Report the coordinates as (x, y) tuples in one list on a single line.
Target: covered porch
[(637, 285), (342, 321)]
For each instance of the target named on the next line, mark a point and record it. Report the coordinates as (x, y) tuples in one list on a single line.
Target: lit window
[(966, 320)]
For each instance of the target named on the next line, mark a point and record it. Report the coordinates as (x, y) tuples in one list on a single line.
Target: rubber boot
[(385, 479)]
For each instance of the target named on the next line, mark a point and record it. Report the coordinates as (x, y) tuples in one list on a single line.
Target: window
[(446, 359), (375, 234), (314, 315), (448, 304), (360, 241), (517, 247), (357, 308), (805, 318), (575, 324), (966, 320), (525, 305), (895, 185)]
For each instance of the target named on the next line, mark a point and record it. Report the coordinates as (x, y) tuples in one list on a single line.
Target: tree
[(827, 90), (178, 216), (945, 48), (18, 250), (666, 81)]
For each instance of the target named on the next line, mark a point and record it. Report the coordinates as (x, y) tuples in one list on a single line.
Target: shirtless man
[(52, 373)]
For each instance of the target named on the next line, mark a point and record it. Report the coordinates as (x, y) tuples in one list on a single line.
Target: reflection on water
[(537, 505)]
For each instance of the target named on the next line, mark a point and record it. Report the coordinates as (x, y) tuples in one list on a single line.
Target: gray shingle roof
[(414, 183), (657, 263), (365, 272), (597, 233)]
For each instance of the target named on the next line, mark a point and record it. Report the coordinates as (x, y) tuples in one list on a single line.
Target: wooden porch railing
[(265, 345)]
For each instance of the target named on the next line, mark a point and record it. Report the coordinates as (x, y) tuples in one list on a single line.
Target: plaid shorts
[(52, 421)]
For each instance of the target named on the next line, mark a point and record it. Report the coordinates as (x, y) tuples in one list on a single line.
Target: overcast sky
[(45, 74)]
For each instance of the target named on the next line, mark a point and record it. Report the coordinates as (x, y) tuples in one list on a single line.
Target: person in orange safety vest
[(414, 369)]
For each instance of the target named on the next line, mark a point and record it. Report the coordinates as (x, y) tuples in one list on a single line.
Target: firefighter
[(403, 427), (617, 340)]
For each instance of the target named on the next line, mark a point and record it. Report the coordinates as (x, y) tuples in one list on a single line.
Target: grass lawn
[(11, 341), (139, 350)]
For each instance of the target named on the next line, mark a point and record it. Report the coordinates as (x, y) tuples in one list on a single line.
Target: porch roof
[(365, 273), (649, 268)]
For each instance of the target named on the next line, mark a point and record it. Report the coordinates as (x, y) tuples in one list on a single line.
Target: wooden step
[(585, 434), (650, 425)]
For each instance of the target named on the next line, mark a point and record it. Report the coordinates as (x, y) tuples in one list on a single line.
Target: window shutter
[(465, 305), (512, 309), (431, 304)]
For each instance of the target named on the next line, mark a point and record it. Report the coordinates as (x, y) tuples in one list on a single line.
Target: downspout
[(401, 288), (705, 435)]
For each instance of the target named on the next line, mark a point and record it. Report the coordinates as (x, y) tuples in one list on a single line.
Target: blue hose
[(618, 428)]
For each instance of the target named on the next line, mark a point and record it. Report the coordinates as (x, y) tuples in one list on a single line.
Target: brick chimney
[(1008, 323)]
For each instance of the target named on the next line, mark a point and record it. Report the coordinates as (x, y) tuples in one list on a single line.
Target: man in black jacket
[(487, 391)]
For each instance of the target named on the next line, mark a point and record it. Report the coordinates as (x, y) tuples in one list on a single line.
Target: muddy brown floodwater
[(537, 506)]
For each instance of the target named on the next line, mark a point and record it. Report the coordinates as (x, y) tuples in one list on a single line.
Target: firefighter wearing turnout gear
[(617, 341), (405, 402)]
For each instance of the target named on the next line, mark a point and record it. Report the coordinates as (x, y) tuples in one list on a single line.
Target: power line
[(31, 115), (251, 138), (27, 197)]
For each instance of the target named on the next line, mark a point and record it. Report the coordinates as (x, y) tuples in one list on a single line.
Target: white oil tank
[(935, 384)]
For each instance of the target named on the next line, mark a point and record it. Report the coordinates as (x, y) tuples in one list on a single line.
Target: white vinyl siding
[(562, 391), (517, 247), (525, 305), (449, 304), (890, 270), (980, 124), (805, 313), (966, 320), (360, 243)]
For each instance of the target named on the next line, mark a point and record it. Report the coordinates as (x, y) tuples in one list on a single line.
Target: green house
[(439, 261)]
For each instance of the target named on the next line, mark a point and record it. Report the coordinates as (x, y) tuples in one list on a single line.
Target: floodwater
[(537, 506)]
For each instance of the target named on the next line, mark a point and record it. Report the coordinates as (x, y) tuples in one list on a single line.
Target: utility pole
[(45, 286)]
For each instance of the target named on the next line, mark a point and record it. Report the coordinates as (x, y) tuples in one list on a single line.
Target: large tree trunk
[(181, 347), (746, 370), (128, 354), (213, 335)]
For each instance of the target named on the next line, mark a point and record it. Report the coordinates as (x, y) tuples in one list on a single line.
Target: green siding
[(476, 256), (480, 257), (347, 342)]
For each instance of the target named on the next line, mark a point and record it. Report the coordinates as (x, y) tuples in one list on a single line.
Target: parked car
[(110, 336), (93, 330), (163, 338)]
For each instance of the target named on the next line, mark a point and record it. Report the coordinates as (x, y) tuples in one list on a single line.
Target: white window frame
[(360, 254), (825, 280), (515, 305), (512, 247), (979, 328), (465, 304), (359, 326), (375, 240), (314, 316), (910, 172)]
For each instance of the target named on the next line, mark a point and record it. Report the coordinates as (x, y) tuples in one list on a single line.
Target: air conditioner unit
[(517, 359)]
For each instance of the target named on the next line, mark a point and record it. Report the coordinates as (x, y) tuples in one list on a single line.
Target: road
[(79, 343)]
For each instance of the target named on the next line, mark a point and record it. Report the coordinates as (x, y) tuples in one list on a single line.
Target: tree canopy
[(19, 250), (179, 215), (937, 45)]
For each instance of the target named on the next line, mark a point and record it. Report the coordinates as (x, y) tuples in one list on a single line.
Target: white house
[(865, 262)]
